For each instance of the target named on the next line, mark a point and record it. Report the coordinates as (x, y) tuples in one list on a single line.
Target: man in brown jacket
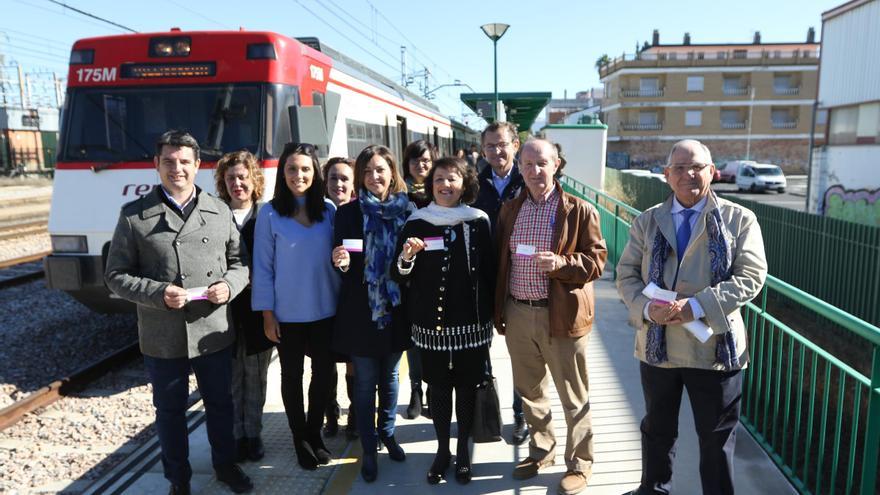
[(550, 249)]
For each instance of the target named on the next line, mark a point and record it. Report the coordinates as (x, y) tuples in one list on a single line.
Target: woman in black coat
[(450, 297), (370, 324)]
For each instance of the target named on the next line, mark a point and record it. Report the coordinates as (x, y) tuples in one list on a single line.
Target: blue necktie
[(683, 235)]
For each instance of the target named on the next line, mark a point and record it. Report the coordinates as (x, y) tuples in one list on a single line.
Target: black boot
[(426, 406), (414, 410), (332, 412), (351, 426)]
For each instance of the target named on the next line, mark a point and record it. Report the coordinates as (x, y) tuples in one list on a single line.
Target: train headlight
[(176, 46), (70, 244)]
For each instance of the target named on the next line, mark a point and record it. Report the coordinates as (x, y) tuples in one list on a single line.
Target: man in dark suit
[(500, 181), (711, 253), (175, 254)]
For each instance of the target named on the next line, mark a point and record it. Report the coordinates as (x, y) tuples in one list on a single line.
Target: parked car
[(727, 171), (760, 177)]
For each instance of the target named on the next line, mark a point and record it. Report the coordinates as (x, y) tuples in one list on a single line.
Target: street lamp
[(495, 31)]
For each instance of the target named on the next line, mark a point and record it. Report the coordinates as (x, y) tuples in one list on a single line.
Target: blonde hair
[(230, 160)]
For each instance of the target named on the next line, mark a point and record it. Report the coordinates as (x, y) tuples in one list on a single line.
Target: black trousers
[(297, 341), (715, 399)]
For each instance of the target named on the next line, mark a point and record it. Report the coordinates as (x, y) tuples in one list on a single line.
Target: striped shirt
[(533, 227)]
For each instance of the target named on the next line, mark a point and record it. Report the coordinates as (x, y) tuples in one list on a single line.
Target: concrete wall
[(845, 183), (584, 147)]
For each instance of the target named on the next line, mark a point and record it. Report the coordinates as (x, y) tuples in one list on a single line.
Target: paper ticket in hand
[(434, 244), (525, 250), (353, 245), (699, 329), (197, 294)]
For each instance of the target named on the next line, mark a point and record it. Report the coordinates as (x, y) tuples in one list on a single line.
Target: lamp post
[(495, 31)]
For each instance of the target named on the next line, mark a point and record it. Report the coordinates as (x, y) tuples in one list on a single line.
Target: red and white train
[(231, 90)]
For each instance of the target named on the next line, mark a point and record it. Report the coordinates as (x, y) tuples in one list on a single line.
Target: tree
[(602, 61)]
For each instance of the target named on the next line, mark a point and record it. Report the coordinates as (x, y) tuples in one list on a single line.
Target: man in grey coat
[(176, 255)]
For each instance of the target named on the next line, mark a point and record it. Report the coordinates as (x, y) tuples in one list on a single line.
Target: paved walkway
[(617, 408)]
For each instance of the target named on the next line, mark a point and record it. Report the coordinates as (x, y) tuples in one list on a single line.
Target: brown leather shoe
[(529, 467), (573, 482)]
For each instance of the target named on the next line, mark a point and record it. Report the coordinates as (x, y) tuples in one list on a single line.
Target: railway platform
[(617, 409)]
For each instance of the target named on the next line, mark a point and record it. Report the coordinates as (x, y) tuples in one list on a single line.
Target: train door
[(401, 132)]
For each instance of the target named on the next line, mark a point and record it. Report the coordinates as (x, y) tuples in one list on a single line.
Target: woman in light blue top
[(296, 288)]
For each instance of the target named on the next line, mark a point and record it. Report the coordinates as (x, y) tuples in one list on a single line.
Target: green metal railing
[(817, 417)]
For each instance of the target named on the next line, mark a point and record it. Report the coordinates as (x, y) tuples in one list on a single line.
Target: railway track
[(67, 385), (21, 270)]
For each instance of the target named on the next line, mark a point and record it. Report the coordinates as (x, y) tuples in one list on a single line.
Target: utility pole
[(749, 135), (403, 66)]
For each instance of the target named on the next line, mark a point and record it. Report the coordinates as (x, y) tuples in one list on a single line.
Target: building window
[(782, 118), (673, 56), (693, 118), (722, 55), (648, 118), (783, 85), (740, 53), (695, 84), (868, 129), (731, 119), (821, 117), (701, 55), (649, 86), (844, 123)]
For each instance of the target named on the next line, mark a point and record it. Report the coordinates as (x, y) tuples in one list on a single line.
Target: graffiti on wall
[(859, 205)]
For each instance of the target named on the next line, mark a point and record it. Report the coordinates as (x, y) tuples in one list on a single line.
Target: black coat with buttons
[(448, 288), (355, 333)]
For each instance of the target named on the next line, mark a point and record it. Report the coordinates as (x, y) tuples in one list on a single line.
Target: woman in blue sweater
[(297, 291)]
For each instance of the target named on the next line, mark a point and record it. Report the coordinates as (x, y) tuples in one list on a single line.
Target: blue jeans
[(170, 380), (370, 373)]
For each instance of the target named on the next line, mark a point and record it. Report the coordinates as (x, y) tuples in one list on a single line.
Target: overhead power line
[(93, 16)]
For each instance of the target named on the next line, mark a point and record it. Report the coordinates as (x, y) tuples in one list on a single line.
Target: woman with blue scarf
[(371, 326)]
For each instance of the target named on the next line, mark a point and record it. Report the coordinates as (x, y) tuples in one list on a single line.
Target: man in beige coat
[(711, 253)]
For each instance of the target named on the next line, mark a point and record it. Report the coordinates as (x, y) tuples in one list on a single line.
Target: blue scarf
[(721, 262), (382, 223)]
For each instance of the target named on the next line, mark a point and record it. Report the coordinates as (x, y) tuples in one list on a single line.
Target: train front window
[(123, 124)]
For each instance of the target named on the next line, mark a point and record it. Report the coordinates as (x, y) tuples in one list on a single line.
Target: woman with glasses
[(297, 291), (372, 329), (445, 253), (418, 157), (239, 182)]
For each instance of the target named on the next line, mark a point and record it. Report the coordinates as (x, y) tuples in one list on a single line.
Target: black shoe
[(369, 467), (321, 453), (395, 452), (241, 450), (305, 456), (255, 449), (179, 489), (520, 430), (463, 472), (331, 426), (414, 409), (438, 468), (233, 477)]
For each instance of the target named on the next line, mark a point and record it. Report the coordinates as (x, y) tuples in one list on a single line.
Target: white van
[(760, 177), (728, 170)]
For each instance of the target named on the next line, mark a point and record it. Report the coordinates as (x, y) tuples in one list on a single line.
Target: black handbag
[(487, 410)]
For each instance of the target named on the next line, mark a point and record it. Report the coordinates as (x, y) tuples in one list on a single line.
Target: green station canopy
[(520, 108)]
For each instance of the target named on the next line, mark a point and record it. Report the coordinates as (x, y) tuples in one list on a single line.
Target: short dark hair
[(360, 168), (470, 185), (414, 151), (497, 127), (284, 202), (178, 139)]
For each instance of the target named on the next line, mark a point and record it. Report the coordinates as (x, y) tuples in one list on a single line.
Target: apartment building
[(844, 181), (744, 100)]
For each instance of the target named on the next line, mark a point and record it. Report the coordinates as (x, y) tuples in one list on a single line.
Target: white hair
[(535, 142), (689, 142)]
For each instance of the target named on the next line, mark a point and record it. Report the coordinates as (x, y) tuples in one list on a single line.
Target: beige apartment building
[(744, 100)]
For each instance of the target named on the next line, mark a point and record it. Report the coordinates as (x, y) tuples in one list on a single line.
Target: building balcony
[(787, 91), (641, 93), (709, 57), (733, 125), (737, 91), (784, 124), (636, 126)]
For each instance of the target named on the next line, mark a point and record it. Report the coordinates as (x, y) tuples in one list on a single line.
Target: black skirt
[(468, 366)]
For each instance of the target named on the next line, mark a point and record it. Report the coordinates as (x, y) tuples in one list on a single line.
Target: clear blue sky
[(551, 45)]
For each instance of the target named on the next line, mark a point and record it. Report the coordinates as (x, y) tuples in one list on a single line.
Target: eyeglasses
[(495, 146), (683, 168)]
